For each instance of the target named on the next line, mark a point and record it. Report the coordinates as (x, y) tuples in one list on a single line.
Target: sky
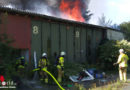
[(116, 10)]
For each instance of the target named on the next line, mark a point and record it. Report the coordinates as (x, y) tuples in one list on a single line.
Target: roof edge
[(31, 13)]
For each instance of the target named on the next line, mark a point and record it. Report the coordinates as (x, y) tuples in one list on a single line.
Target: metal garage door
[(83, 44), (70, 42), (63, 38), (46, 40), (77, 43), (36, 39), (54, 39)]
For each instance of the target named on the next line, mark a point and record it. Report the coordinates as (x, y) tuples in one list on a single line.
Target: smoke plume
[(67, 9)]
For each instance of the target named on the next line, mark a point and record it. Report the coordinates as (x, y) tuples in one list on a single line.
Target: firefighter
[(60, 66), (43, 63), (122, 61), (20, 65)]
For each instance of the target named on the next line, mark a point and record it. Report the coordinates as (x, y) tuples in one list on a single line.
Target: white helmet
[(62, 53), (121, 50), (44, 55)]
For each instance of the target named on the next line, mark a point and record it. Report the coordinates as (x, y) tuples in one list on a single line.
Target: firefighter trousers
[(123, 73)]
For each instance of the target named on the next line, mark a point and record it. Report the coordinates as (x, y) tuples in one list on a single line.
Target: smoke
[(43, 8), (46, 7), (53, 3), (11, 3)]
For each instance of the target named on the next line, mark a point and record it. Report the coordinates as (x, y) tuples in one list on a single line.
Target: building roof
[(33, 13)]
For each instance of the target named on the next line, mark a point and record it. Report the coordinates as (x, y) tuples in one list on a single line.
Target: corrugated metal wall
[(36, 44), (70, 43), (79, 42), (83, 45), (17, 28)]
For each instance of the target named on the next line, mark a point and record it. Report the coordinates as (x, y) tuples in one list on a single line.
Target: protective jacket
[(60, 64), (43, 62), (20, 63), (122, 60)]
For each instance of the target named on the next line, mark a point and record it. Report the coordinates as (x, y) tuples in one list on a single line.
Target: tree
[(8, 54), (103, 22), (125, 27), (107, 23), (115, 26), (109, 51)]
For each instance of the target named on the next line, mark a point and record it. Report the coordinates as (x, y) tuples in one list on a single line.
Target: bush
[(108, 53), (8, 60), (8, 56), (73, 68)]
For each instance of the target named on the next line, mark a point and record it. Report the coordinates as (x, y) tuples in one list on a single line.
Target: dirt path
[(127, 87)]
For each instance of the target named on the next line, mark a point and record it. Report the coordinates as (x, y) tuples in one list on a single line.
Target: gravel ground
[(127, 85), (34, 85)]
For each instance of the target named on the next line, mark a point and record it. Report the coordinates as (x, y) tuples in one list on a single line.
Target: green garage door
[(70, 43), (46, 39), (54, 39), (83, 44), (36, 39), (77, 44), (89, 45), (63, 37)]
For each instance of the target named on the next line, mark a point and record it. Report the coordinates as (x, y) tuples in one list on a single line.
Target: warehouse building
[(33, 32)]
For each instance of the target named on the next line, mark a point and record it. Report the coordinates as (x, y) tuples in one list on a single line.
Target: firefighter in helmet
[(20, 65), (43, 63), (123, 64), (60, 66)]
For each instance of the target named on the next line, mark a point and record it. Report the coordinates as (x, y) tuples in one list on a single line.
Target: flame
[(71, 10)]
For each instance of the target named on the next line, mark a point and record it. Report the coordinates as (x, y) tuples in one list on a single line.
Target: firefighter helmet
[(44, 55), (121, 50), (62, 53)]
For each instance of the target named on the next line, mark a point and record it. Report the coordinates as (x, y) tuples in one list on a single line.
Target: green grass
[(110, 86), (115, 85)]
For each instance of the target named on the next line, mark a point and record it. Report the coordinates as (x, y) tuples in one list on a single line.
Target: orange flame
[(71, 10)]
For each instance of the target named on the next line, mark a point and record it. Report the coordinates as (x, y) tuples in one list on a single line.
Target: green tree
[(102, 21), (8, 56), (125, 27), (109, 51)]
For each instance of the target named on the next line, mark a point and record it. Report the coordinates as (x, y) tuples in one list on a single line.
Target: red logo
[(2, 80)]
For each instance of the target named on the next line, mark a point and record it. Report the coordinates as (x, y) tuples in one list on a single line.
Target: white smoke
[(53, 3), (41, 8), (11, 3), (10, 6)]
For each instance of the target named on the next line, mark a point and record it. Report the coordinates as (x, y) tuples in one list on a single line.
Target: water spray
[(35, 65), (35, 59)]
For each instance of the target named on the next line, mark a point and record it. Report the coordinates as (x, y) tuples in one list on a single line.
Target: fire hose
[(51, 76)]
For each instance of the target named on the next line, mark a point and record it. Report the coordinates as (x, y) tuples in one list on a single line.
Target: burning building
[(34, 31), (67, 9)]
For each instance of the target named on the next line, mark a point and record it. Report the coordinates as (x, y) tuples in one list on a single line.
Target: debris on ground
[(88, 74), (83, 76)]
